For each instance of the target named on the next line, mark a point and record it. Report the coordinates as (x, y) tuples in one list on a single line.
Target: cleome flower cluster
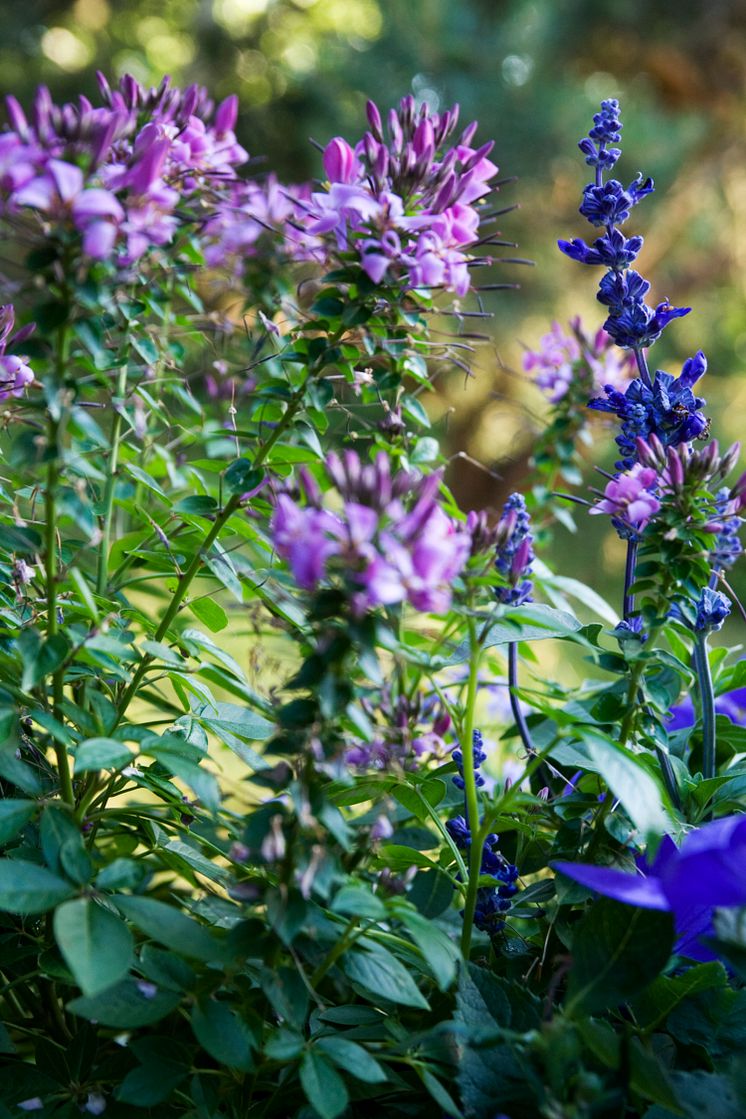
[(403, 201), (122, 174), (388, 541)]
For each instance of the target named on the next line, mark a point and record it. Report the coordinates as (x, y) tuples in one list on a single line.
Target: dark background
[(532, 72)]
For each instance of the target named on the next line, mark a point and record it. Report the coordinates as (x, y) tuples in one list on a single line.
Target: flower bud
[(374, 120), (227, 114), (339, 161)]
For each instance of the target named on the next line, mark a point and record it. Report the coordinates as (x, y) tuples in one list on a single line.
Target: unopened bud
[(374, 120)]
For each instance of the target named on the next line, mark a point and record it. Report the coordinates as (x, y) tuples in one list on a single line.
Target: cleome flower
[(630, 498), (380, 550)]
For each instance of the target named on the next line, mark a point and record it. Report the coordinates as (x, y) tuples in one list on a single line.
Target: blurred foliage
[(532, 72)]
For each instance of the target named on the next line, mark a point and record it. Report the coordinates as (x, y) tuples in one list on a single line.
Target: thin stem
[(707, 700), (470, 791), (642, 365), (629, 578), (51, 565), (111, 477), (188, 575), (515, 703)]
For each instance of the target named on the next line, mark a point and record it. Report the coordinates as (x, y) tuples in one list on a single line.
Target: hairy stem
[(111, 477), (629, 578), (707, 700), (470, 790)]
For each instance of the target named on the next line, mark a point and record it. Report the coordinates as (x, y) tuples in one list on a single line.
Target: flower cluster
[(563, 359), (493, 902), (382, 551), (663, 405), (413, 726), (479, 757), (250, 211), (15, 372), (705, 873), (402, 200), (631, 322), (121, 174), (514, 553), (727, 547), (667, 408)]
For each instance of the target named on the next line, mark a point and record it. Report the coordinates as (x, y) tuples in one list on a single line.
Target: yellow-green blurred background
[(532, 72)]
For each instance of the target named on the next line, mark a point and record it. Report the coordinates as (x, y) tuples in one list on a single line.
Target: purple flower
[(553, 364), (408, 204), (479, 757), (382, 553), (704, 874), (629, 498), (731, 704), (514, 553)]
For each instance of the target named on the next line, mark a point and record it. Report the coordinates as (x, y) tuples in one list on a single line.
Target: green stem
[(51, 564), (111, 477), (470, 791), (707, 701), (186, 578)]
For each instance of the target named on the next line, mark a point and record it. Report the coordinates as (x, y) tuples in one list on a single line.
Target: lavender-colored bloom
[(704, 874), (406, 204), (514, 554), (630, 629), (553, 363), (384, 553), (630, 500), (610, 203)]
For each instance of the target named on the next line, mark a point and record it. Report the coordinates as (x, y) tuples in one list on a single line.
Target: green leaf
[(623, 772), (222, 1033), (382, 974), (440, 952), (358, 900), (197, 505), (101, 753), (240, 477), (29, 888), (532, 622), (616, 952), (167, 925), (13, 815), (210, 613), (353, 1058), (96, 945), (129, 1004), (324, 1088), (665, 993)]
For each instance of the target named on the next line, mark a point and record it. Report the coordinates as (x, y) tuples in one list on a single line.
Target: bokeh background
[(532, 72)]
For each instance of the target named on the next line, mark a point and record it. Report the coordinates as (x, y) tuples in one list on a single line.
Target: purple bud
[(397, 139), (424, 139), (374, 120), (16, 116), (468, 134), (227, 114), (339, 161), (104, 87)]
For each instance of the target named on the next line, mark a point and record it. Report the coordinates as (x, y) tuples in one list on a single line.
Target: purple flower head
[(631, 500), (631, 629), (631, 322), (493, 902), (514, 553), (406, 729), (126, 174), (610, 203), (713, 608), (479, 757), (382, 552), (553, 364), (404, 199), (704, 874), (667, 409)]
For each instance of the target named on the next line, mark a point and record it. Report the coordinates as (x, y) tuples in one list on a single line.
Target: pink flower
[(340, 163), (630, 497)]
